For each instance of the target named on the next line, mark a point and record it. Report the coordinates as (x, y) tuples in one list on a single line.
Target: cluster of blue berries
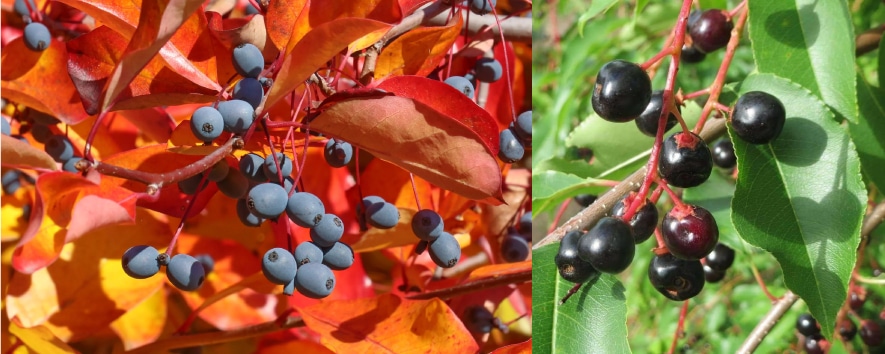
[(515, 245), (184, 271), (515, 139), (36, 36), (444, 249)]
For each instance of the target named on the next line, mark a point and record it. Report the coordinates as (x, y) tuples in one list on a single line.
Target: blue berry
[(234, 185), (237, 115), (488, 69), (185, 272), (289, 289), (252, 166), (218, 171), (191, 185), (362, 207), (279, 266), (338, 153), (249, 90), (267, 200), (289, 185), (445, 250), (482, 7), (427, 225), (338, 257), (382, 215), (246, 216), (37, 37), (514, 249), (511, 149), (207, 262), (461, 83), (525, 222), (41, 133), (11, 181), (305, 209), (270, 166), (248, 60), (479, 319), (327, 231), (523, 127), (308, 252), (207, 123), (22, 9), (6, 128), (315, 280), (251, 10), (140, 262), (59, 148), (71, 164)]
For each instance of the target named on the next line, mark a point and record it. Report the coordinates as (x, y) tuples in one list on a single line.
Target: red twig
[(679, 327), (559, 214)]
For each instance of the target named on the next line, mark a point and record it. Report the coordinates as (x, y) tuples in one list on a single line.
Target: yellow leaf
[(40, 339)]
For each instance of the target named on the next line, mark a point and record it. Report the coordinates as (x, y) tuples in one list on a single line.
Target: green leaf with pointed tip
[(805, 41), (801, 197), (869, 132), (594, 319), (551, 187), (596, 7)]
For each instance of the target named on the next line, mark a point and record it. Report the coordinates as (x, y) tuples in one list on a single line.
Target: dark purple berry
[(643, 221), (847, 329), (608, 246), (713, 276), (711, 31), (585, 200), (690, 232), (758, 117), (622, 91), (571, 266), (814, 344), (691, 55), (647, 122), (807, 325), (723, 154), (685, 162), (676, 279), (721, 257), (871, 333)]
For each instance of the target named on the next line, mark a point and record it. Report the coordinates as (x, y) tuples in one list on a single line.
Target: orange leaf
[(400, 235), (143, 323), (518, 348), (68, 206), (417, 52), (289, 22), (388, 323), (498, 270), (298, 346), (15, 222), (418, 138), (40, 339), (19, 153), (40, 80), (322, 42)]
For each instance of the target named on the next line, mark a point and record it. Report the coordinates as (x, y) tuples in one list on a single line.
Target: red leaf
[(420, 139), (409, 6), (40, 80)]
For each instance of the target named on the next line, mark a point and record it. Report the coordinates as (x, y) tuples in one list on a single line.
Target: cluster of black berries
[(870, 331)]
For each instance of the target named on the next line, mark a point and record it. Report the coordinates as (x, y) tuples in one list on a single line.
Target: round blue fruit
[(234, 185), (71, 164), (289, 289), (338, 153), (427, 225), (270, 166), (327, 231), (308, 252), (315, 280), (11, 181), (249, 90), (305, 209), (207, 123), (140, 262), (523, 127), (279, 266), (248, 60), (445, 250), (238, 115), (514, 249), (525, 222), (246, 216), (185, 272), (22, 9), (461, 83), (338, 257), (511, 149), (488, 70), (37, 37), (252, 166), (207, 262), (382, 215), (59, 148), (267, 200), (482, 7), (6, 129)]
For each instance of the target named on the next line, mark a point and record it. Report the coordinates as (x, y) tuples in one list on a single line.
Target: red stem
[(696, 94), (506, 63), (559, 214), (414, 189), (680, 326)]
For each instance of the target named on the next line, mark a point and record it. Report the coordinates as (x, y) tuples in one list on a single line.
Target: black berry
[(685, 161), (571, 267), (711, 31), (647, 122), (690, 232), (608, 246), (723, 154), (815, 344), (758, 117), (807, 325), (713, 276), (721, 257), (856, 299), (871, 333), (622, 91), (677, 279), (643, 221), (585, 200), (847, 329)]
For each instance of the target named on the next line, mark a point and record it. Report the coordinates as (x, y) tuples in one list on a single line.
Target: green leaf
[(881, 63), (809, 42), (596, 7), (550, 187), (801, 197), (594, 319), (869, 132)]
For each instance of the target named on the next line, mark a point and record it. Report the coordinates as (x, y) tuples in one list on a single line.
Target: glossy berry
[(445, 251), (207, 123), (278, 266), (267, 200), (676, 279), (59, 148), (691, 55), (327, 231), (685, 162), (382, 215), (427, 225), (514, 248), (511, 149), (338, 257), (252, 166), (248, 60), (207, 262), (71, 164), (246, 216), (856, 299), (847, 329), (723, 154), (807, 325), (622, 91), (608, 246), (234, 185), (585, 200), (647, 122), (478, 319), (871, 333), (488, 69), (338, 153), (643, 222), (758, 117), (249, 90), (185, 272), (237, 114), (571, 267), (720, 258), (523, 127), (713, 276), (140, 262), (191, 185), (308, 252), (815, 344), (37, 37), (461, 83), (711, 31), (482, 7), (315, 280), (305, 209), (690, 232), (270, 166)]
